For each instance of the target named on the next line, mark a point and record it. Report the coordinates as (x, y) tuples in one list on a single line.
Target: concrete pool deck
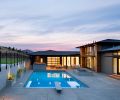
[(101, 87)]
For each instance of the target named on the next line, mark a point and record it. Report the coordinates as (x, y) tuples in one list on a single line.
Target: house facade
[(110, 60), (54, 59), (92, 55)]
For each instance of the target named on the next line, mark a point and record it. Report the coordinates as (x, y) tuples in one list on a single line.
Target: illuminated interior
[(54, 61), (115, 65), (64, 61), (68, 61), (91, 62), (38, 59), (58, 61), (119, 65)]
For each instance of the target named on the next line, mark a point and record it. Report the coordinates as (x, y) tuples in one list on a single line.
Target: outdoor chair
[(58, 87)]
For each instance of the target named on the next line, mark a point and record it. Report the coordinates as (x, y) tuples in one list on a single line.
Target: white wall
[(3, 75)]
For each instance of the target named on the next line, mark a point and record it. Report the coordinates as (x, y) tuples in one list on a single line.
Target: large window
[(68, 61), (64, 61), (119, 66), (118, 52), (115, 65), (38, 59), (54, 61)]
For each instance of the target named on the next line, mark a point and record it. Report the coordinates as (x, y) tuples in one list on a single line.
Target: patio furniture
[(58, 87)]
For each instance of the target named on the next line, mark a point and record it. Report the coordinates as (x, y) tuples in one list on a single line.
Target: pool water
[(47, 79)]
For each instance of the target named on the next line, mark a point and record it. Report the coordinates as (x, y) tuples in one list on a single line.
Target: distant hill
[(27, 51)]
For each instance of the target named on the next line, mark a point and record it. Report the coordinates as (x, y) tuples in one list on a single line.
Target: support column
[(6, 59), (66, 63), (70, 61), (14, 59)]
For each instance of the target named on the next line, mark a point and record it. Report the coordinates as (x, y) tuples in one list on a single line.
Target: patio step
[(115, 76)]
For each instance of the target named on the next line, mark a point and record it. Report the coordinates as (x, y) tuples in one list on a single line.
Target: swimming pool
[(47, 79)]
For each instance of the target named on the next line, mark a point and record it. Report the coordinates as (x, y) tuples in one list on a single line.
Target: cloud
[(57, 24), (99, 20)]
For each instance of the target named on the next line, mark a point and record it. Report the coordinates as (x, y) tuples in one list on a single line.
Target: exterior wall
[(106, 63), (82, 58), (90, 53), (89, 57), (98, 58), (3, 75)]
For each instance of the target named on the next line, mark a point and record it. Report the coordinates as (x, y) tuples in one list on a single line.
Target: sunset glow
[(57, 25)]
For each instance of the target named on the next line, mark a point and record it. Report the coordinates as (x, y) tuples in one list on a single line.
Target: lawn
[(10, 60)]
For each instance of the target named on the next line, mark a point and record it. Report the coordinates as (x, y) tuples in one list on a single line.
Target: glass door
[(115, 65), (119, 66), (68, 61)]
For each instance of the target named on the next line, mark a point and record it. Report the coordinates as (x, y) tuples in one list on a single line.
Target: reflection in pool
[(47, 79)]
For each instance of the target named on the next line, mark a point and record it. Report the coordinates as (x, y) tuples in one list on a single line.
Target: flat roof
[(116, 48), (102, 41), (55, 53)]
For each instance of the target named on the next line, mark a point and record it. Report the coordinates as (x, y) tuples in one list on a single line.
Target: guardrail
[(11, 56)]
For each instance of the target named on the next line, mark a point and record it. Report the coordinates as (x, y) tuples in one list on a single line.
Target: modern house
[(101, 56), (110, 60), (55, 59)]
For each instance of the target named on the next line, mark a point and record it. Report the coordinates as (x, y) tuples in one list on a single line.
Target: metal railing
[(12, 57)]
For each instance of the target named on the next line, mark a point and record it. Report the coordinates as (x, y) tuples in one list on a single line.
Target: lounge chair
[(58, 87)]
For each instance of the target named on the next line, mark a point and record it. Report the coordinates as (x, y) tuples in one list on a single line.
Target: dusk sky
[(57, 24)]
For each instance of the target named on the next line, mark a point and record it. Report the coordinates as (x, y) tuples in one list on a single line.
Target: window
[(77, 60), (118, 52), (64, 61), (54, 61), (115, 65), (38, 59), (68, 61), (73, 61), (115, 53), (41, 60)]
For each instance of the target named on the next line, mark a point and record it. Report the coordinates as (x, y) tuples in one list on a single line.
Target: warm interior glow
[(68, 61), (38, 59), (63, 61), (115, 65), (54, 61), (77, 60), (119, 65)]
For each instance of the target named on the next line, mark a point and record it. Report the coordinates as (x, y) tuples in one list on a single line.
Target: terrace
[(100, 86)]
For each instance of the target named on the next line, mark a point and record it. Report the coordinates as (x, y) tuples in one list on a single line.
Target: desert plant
[(19, 71), (24, 69), (11, 76)]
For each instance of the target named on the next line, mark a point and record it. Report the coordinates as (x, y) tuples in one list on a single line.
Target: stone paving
[(101, 87)]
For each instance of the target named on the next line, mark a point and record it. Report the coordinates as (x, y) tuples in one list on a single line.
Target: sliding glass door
[(116, 65), (119, 66)]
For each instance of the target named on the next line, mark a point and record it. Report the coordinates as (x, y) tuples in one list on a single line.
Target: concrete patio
[(101, 87)]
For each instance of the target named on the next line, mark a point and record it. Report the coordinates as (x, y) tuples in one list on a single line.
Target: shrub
[(19, 71), (10, 76)]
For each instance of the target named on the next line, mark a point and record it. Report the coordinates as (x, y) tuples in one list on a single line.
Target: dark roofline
[(102, 41), (116, 48), (55, 53)]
